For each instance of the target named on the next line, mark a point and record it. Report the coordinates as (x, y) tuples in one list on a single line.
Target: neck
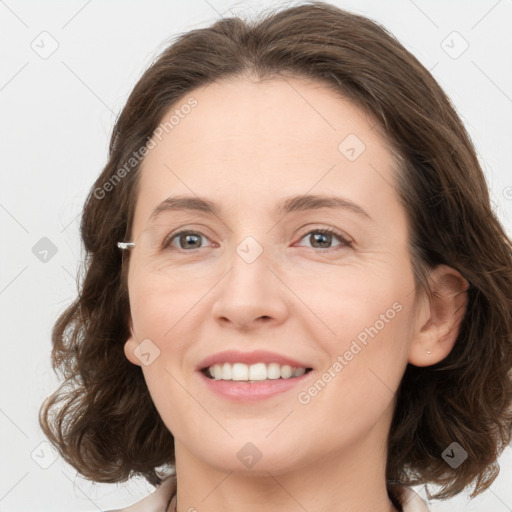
[(353, 480)]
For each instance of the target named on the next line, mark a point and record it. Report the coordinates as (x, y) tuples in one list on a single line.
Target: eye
[(321, 239), (187, 240)]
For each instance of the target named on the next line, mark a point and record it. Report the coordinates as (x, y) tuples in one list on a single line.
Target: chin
[(256, 457)]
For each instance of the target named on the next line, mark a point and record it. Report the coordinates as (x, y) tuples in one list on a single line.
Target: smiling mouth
[(258, 372)]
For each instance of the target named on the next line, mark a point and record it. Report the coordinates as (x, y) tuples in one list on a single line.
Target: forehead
[(237, 118), (247, 141)]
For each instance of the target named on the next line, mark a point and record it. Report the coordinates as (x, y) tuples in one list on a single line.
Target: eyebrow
[(303, 202)]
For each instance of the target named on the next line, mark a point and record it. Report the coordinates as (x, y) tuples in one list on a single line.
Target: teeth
[(254, 372), (226, 372), (240, 372), (273, 371), (286, 371), (257, 371)]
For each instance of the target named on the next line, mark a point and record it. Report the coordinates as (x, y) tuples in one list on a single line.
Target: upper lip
[(256, 356)]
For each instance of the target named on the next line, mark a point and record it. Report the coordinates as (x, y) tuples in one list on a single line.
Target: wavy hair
[(102, 419)]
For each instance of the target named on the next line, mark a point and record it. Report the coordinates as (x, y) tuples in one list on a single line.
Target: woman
[(297, 294)]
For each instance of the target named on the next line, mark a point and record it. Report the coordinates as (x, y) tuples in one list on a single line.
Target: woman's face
[(262, 284)]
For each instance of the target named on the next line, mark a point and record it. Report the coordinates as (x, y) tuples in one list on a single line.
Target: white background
[(56, 115)]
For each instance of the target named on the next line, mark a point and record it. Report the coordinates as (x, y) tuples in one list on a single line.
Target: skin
[(248, 145)]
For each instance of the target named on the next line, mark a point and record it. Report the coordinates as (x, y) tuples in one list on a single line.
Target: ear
[(129, 348), (440, 317)]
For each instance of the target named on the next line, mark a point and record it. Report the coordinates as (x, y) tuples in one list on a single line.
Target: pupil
[(319, 236), (189, 238)]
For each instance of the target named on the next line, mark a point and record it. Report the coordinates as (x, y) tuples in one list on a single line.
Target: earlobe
[(129, 350), (438, 328)]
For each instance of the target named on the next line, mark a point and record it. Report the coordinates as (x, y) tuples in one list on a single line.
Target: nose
[(251, 295)]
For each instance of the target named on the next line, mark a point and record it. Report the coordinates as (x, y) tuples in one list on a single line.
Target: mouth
[(253, 373)]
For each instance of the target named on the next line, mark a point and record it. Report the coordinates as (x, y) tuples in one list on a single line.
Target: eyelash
[(344, 242)]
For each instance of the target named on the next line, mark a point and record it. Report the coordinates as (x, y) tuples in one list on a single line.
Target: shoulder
[(412, 502), (157, 501)]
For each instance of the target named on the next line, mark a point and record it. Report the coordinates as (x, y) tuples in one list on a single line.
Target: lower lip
[(244, 391)]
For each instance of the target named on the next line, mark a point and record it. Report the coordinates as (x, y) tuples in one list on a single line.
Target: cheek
[(161, 307), (357, 302), (373, 344), (367, 336), (358, 384), (169, 315), (165, 316)]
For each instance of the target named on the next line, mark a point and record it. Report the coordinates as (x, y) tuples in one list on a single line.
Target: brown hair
[(102, 418)]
